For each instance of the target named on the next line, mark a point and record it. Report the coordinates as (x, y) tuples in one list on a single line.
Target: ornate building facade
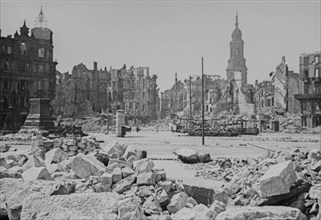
[(27, 70)]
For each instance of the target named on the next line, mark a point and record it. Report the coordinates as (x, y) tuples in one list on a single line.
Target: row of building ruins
[(28, 70)]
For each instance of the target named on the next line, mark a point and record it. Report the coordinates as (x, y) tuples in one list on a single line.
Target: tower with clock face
[(237, 62)]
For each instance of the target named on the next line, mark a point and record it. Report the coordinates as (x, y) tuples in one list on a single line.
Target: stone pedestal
[(120, 121), (39, 117)]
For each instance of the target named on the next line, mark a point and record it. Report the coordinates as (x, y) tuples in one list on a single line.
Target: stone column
[(120, 121)]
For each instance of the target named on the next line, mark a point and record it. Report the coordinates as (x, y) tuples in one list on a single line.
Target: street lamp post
[(190, 102), (203, 141)]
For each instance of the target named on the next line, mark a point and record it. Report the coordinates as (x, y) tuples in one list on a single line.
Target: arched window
[(23, 48), (236, 51), (9, 50)]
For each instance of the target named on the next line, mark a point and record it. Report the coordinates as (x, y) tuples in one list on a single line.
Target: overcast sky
[(172, 36)]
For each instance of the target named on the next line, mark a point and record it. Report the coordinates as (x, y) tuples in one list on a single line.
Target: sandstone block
[(144, 165), (80, 206), (124, 184), (264, 212), (203, 212), (130, 210), (146, 179), (85, 166), (55, 155), (114, 148), (187, 155), (126, 171), (107, 179), (178, 201), (116, 175), (36, 173), (278, 179), (185, 213)]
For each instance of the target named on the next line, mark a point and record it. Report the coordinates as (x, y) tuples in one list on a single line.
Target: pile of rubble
[(117, 181), (273, 178)]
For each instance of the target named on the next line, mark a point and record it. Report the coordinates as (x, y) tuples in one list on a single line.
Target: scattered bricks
[(144, 165), (177, 202), (185, 213), (124, 184), (126, 171), (116, 175), (106, 179), (147, 178), (36, 173), (55, 155), (278, 179), (85, 166), (166, 185)]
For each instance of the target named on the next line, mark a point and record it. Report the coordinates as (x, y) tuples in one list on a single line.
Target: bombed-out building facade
[(86, 91), (27, 70)]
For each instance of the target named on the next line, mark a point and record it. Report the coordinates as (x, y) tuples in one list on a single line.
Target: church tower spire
[(237, 62)]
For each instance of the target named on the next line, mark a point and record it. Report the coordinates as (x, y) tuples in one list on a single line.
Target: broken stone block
[(80, 206), (144, 191), (166, 185), (203, 212), (21, 159), (53, 168), (278, 179), (122, 163), (114, 148), (221, 195), (116, 175), (36, 173), (33, 161), (85, 166), (160, 175), (55, 155), (162, 198), (130, 151), (151, 207), (14, 191), (147, 178), (185, 213), (3, 163), (126, 171), (315, 192), (317, 166), (314, 154), (130, 210), (200, 194), (107, 179), (9, 174), (187, 155), (124, 184), (178, 201), (264, 212), (4, 147), (218, 206), (144, 165)]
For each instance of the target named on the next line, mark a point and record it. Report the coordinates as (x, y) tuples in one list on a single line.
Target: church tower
[(236, 63)]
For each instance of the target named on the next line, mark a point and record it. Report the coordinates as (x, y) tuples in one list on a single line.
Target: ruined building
[(87, 91), (279, 91), (310, 94), (233, 95), (27, 70)]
